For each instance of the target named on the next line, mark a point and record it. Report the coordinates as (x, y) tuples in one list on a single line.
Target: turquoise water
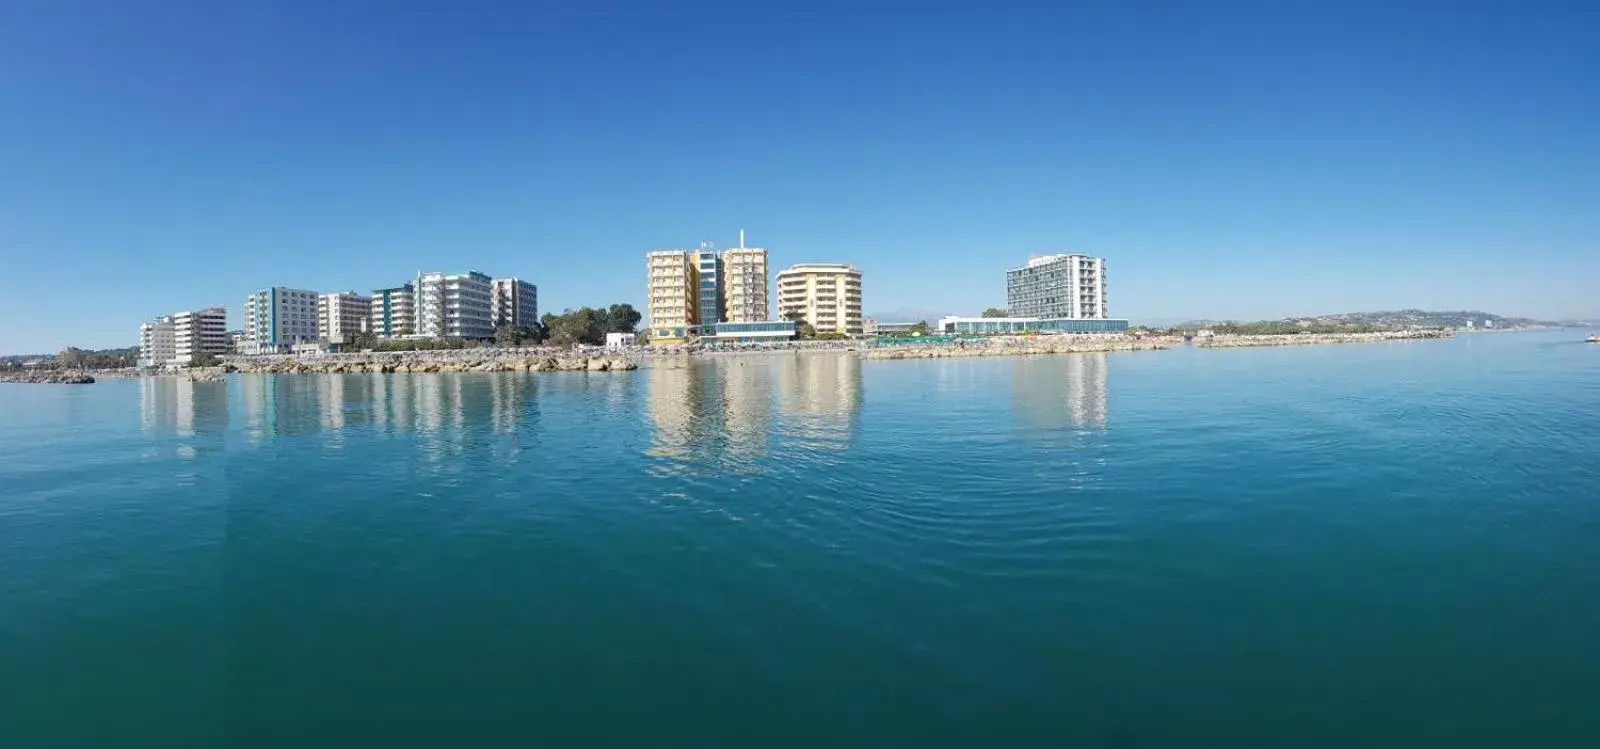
[(1374, 545)]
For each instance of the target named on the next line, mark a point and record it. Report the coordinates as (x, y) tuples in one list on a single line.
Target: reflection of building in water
[(1060, 391), (182, 407), (331, 400), (672, 403), (507, 398), (819, 395), (746, 405), (278, 405)]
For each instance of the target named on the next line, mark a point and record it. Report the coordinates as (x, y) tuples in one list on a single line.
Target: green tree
[(622, 318), (995, 312), (582, 325), (505, 334), (921, 328), (802, 329)]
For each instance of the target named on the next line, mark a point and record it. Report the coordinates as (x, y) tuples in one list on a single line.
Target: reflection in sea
[(819, 395), (718, 414), (724, 413), (1060, 391), (195, 412)]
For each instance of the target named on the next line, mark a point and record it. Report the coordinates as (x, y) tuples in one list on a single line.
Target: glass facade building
[(763, 331), (710, 295), (1018, 325)]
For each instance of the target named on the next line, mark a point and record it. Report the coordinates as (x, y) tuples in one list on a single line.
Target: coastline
[(595, 359)]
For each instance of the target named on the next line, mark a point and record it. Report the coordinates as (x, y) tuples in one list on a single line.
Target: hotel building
[(515, 302), (455, 305), (342, 315), (1066, 286), (394, 311), (744, 282), (156, 343), (276, 319), (826, 295), (199, 333), (674, 277)]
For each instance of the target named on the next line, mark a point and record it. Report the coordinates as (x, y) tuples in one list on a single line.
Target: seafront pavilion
[(1011, 325), (759, 331)]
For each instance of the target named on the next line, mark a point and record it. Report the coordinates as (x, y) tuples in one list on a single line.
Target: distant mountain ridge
[(1398, 319)]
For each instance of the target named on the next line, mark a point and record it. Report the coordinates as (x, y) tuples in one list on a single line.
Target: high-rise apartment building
[(826, 295), (277, 318), (674, 302), (743, 274), (394, 311), (1060, 286), (199, 333), (156, 343), (708, 297), (343, 315), (515, 302), (455, 305)]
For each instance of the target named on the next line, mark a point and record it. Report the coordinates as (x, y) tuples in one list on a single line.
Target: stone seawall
[(1031, 346), (1302, 339), (48, 377)]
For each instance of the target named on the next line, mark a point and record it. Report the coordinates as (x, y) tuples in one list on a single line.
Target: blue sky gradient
[(1229, 159)]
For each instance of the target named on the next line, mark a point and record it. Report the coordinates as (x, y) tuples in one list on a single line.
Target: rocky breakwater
[(430, 362), (1300, 339), (48, 377), (1020, 346)]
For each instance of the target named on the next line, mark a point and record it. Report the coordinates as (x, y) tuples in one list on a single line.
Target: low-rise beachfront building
[(873, 328), (621, 340), (759, 331), (953, 325)]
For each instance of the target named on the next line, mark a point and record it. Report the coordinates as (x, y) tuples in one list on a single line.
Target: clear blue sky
[(1239, 160)]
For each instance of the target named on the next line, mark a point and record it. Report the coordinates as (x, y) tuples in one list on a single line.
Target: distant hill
[(1394, 320)]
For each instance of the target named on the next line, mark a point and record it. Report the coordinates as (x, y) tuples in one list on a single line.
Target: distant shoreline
[(594, 359)]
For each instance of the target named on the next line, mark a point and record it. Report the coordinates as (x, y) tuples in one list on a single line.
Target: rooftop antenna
[(741, 239)]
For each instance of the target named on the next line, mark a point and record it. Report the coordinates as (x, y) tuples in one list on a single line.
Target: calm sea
[(1386, 545)]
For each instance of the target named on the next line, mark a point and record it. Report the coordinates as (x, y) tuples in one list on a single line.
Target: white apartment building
[(826, 295), (276, 319), (455, 305), (199, 333), (394, 311), (744, 281), (674, 281), (1059, 286), (157, 345), (342, 315), (515, 302)]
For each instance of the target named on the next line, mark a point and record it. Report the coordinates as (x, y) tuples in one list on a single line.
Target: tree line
[(584, 325)]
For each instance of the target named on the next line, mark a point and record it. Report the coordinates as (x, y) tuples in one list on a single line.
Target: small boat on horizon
[(1593, 339)]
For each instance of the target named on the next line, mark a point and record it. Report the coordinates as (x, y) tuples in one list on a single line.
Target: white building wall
[(199, 333), (515, 302), (341, 316), (455, 305)]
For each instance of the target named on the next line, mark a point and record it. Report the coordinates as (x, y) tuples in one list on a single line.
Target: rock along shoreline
[(602, 360)]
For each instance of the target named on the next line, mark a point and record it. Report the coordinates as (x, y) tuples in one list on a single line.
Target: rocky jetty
[(1019, 346), (1300, 339), (49, 376), (417, 362)]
